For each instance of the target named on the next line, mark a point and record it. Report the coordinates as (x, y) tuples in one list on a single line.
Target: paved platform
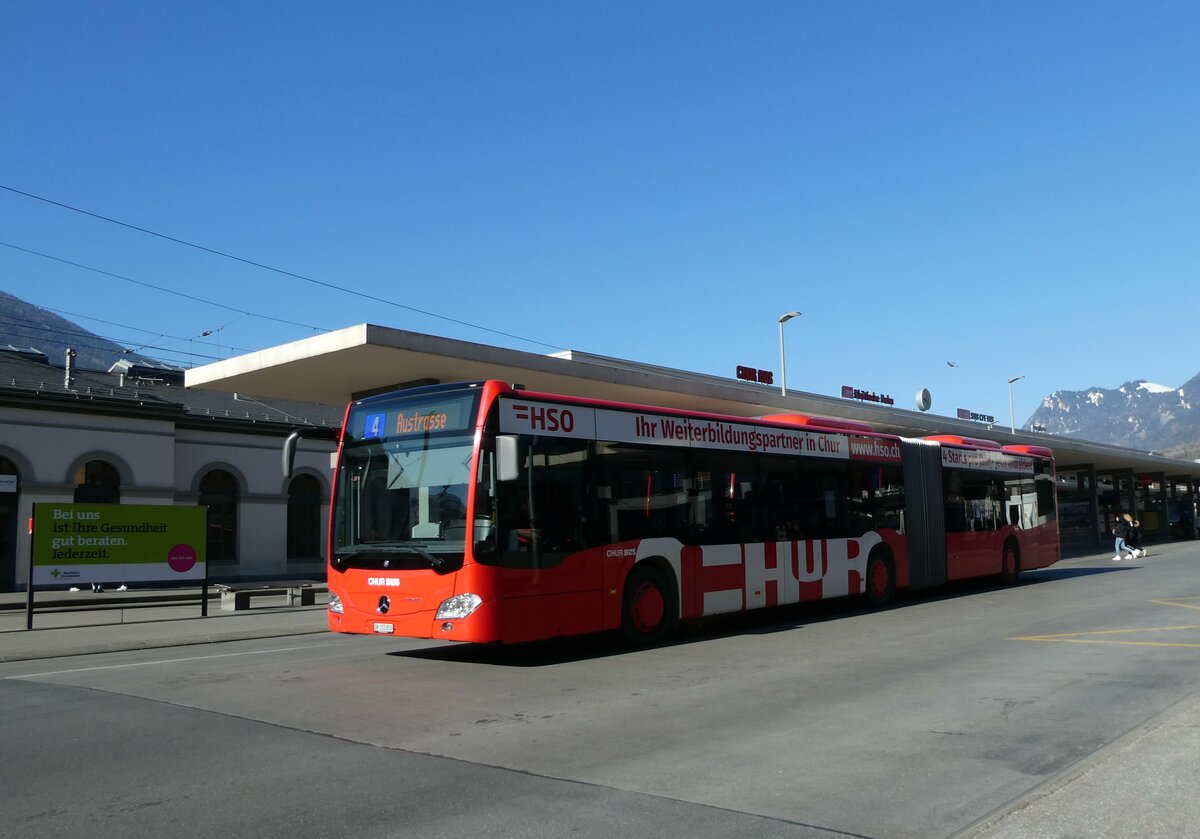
[(81, 623), (1141, 785)]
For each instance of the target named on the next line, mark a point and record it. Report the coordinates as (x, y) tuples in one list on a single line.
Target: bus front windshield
[(401, 499)]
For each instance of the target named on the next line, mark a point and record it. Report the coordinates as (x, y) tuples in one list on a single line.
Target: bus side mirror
[(508, 464), (289, 445), (289, 453)]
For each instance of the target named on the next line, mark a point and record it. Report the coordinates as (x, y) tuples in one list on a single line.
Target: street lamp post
[(782, 361), (1012, 419)]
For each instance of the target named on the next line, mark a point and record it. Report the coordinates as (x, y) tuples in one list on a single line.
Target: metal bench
[(236, 596)]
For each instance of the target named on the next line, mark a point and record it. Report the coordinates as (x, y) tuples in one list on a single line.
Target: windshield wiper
[(376, 548), (435, 562)]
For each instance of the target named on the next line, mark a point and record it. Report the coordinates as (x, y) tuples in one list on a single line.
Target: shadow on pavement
[(759, 622)]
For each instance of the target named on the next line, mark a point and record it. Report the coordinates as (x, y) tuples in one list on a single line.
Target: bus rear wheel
[(1010, 564), (647, 610), (881, 584)]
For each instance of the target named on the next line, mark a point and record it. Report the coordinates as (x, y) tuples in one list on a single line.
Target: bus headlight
[(335, 604), (459, 606)]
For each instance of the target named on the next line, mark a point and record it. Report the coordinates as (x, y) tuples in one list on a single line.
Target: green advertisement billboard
[(118, 543)]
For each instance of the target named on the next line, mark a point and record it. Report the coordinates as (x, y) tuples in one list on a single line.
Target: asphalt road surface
[(916, 721)]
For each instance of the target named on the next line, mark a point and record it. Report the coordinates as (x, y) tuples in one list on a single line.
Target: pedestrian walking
[(1133, 537), (1125, 530)]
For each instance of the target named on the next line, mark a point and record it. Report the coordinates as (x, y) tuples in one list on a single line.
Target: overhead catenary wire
[(166, 358), (272, 268), (160, 288), (177, 338), (5, 318), (84, 336)]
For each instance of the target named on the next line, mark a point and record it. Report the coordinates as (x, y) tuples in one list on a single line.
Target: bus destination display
[(416, 420)]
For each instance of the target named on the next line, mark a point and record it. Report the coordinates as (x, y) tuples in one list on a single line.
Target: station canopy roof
[(335, 367)]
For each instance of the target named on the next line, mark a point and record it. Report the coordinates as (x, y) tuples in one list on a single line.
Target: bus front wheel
[(647, 610)]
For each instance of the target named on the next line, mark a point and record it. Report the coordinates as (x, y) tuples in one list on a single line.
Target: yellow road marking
[(1066, 640), (1093, 637), (1176, 601)]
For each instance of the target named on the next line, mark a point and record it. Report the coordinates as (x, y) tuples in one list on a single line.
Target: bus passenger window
[(651, 493), (955, 503)]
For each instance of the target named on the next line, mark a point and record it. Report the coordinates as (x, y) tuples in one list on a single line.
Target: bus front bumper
[(462, 621)]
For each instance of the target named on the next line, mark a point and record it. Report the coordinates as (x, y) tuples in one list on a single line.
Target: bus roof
[(813, 421), (1035, 451), (968, 442)]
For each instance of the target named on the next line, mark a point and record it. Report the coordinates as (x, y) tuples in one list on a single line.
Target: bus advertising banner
[(117, 543), (986, 459), (587, 423)]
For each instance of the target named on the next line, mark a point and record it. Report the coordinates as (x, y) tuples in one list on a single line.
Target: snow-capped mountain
[(1138, 414)]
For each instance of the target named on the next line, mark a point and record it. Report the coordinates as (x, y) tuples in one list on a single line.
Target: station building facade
[(136, 435), (1096, 482)]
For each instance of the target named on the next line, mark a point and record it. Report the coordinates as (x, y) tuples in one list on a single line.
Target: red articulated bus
[(483, 513)]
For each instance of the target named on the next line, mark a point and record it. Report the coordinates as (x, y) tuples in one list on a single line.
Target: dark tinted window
[(304, 518), (97, 482), (219, 493)]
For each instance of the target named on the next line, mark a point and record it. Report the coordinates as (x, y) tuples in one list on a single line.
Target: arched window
[(97, 482), (304, 518), (219, 493), (8, 475)]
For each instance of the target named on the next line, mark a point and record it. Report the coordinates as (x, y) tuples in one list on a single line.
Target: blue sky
[(1011, 187)]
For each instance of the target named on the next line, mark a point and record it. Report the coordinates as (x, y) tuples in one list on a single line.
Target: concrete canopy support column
[(1192, 509), (1123, 500), (1127, 500), (1093, 497)]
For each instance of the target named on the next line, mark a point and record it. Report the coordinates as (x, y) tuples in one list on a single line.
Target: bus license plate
[(383, 629)]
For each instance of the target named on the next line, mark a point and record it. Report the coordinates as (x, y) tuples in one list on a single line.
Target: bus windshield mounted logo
[(545, 419)]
